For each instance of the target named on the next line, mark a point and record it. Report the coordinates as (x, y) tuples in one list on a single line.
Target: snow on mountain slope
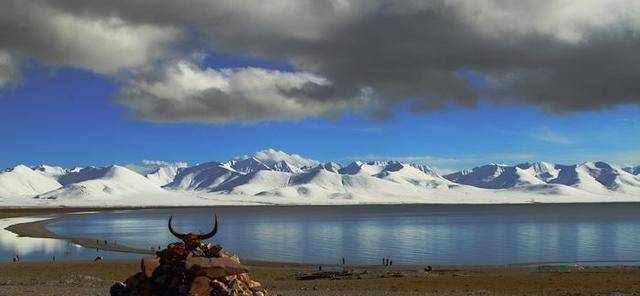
[(425, 168), (254, 182), (413, 175), (321, 178), (272, 176), (23, 181), (284, 166), (271, 157), (159, 172), (50, 171), (360, 168), (247, 165), (598, 177), (632, 170), (331, 166), (203, 176), (541, 170), (613, 177), (546, 178), (109, 181), (495, 176), (363, 185), (81, 174), (163, 175)]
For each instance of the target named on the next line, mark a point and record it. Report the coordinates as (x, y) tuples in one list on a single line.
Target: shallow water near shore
[(44, 249)]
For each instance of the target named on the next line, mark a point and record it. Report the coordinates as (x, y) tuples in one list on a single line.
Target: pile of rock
[(195, 276), (190, 268)]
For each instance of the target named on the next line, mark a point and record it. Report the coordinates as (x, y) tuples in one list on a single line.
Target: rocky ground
[(89, 278)]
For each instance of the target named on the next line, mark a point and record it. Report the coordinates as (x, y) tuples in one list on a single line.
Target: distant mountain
[(51, 171), (496, 176), (363, 168), (23, 181), (633, 170), (331, 166), (275, 176), (205, 176), (247, 165), (104, 182), (159, 172), (254, 182), (598, 177), (81, 174), (271, 159), (593, 177)]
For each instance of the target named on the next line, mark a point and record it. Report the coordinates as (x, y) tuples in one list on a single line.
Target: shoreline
[(38, 229)]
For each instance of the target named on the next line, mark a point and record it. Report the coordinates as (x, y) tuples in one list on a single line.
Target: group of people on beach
[(387, 261)]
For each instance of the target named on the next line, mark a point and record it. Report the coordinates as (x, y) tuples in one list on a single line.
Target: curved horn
[(213, 232), (176, 234)]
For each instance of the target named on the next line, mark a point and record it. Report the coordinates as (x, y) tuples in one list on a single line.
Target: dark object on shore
[(191, 267), (98, 258), (323, 275), (428, 268)]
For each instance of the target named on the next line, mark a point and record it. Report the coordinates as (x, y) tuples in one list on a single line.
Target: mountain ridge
[(276, 175)]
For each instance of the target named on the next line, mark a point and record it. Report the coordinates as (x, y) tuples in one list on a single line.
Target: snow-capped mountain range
[(272, 176)]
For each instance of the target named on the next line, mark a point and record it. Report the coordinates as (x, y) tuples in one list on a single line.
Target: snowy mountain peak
[(271, 173), (284, 166), (493, 176), (632, 170), (23, 181), (50, 171), (109, 181), (331, 167), (159, 172), (271, 157), (18, 168), (247, 165), (423, 167)]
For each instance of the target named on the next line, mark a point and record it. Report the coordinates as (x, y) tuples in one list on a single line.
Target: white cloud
[(561, 55), (548, 135), (108, 45), (101, 43), (9, 71), (182, 91), (567, 20)]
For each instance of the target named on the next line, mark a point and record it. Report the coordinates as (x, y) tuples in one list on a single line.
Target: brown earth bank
[(95, 278)]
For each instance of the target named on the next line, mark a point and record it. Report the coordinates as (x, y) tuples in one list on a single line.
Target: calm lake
[(408, 234)]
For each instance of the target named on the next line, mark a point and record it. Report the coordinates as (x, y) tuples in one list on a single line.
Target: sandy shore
[(38, 229), (95, 278)]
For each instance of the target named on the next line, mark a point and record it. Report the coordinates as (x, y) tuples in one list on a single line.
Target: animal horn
[(176, 234), (213, 232)]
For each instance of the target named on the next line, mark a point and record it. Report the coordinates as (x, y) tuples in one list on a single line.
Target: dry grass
[(89, 278)]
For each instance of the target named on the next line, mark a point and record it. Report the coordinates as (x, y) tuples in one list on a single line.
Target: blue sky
[(102, 82), (68, 117)]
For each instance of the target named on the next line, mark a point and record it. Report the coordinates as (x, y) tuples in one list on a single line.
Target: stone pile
[(192, 268), (194, 276)]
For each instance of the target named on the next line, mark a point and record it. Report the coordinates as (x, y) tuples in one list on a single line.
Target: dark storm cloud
[(562, 56), (181, 91)]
